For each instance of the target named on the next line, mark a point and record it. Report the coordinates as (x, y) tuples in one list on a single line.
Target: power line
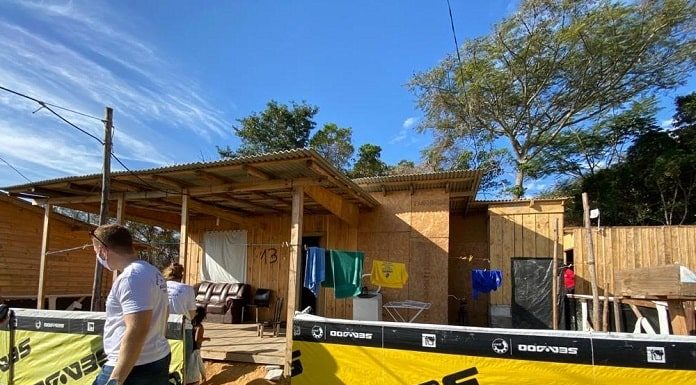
[(17, 171), (48, 107), (456, 43), (143, 181)]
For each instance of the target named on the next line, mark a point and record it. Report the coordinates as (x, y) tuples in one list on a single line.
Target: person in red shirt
[(569, 279)]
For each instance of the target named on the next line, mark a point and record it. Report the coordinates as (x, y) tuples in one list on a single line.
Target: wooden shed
[(21, 226)]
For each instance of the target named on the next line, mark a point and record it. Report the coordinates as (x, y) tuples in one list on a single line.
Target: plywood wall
[(414, 230), (521, 229), (468, 250), (617, 248), (268, 253), (20, 253)]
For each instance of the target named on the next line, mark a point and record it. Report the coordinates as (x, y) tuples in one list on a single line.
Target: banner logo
[(76, 370), (500, 346), (317, 332), (656, 355), (350, 334), (463, 377), (547, 349), (19, 352)]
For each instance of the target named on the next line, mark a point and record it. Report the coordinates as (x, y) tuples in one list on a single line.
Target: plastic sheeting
[(65, 348), (225, 256), (531, 294)]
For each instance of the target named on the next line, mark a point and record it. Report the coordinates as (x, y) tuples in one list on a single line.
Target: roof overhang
[(461, 185), (232, 189)]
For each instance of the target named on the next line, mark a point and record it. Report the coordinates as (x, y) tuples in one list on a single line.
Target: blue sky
[(179, 74)]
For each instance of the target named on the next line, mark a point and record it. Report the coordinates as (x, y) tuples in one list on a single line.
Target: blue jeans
[(154, 373)]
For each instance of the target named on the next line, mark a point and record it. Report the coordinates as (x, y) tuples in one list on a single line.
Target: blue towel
[(314, 273), (485, 281)]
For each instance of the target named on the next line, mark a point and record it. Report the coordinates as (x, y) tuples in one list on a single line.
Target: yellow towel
[(388, 274)]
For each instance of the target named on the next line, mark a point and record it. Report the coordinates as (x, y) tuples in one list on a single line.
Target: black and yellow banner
[(65, 348), (330, 352)]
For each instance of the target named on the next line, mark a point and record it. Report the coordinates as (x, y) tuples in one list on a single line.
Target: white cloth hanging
[(225, 257)]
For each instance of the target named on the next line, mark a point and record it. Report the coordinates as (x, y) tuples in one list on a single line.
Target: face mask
[(104, 263)]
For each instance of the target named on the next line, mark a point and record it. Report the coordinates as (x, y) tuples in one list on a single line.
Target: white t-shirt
[(182, 300), (139, 288)]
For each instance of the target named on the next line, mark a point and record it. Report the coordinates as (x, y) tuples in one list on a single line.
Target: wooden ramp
[(239, 343)]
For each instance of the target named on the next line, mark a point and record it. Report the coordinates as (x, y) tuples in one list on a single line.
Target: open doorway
[(307, 298)]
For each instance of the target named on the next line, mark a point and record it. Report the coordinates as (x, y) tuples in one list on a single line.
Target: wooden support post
[(618, 316), (183, 233), (678, 318), (554, 280), (42, 266), (605, 307), (591, 261), (690, 317), (293, 281)]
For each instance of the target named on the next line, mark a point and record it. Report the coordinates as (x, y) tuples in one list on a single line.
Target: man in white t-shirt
[(136, 314)]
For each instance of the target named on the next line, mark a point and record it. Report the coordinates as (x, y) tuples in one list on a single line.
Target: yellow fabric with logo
[(65, 359), (329, 364), (388, 274)]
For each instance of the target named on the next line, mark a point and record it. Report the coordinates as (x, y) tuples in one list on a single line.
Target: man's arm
[(137, 327)]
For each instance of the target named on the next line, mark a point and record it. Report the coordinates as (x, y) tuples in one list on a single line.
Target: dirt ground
[(223, 373)]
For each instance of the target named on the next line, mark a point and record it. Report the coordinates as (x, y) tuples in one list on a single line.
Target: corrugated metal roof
[(494, 201), (432, 176), (286, 169)]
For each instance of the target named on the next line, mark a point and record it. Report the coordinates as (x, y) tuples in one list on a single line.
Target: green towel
[(344, 272)]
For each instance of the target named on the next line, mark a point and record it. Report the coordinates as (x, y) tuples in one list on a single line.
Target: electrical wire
[(456, 43), (143, 181), (48, 107), (17, 171)]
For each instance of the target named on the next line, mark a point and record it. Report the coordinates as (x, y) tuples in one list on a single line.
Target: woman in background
[(195, 372), (182, 300)]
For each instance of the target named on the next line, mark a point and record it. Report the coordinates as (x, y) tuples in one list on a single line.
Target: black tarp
[(531, 293)]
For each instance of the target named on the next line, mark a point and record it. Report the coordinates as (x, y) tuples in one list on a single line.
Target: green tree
[(553, 65), (585, 149), (335, 144), (162, 244), (277, 128), (655, 183), (369, 162)]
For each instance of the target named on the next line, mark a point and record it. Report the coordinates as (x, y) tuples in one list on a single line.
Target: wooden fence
[(618, 248)]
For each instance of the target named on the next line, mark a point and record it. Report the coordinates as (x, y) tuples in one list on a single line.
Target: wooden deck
[(239, 343)]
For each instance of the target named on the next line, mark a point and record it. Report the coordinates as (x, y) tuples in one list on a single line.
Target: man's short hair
[(115, 237)]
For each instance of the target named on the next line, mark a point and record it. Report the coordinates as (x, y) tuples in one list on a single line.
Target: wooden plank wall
[(619, 248), (468, 250), (20, 253), (268, 254), (414, 230), (521, 229)]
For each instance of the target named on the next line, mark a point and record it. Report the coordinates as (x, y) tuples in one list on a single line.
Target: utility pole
[(97, 304)]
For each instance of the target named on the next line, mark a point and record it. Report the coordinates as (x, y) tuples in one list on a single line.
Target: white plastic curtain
[(225, 256)]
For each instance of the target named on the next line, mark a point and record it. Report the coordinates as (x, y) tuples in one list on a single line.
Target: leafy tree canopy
[(369, 162), (554, 65), (335, 144), (277, 128)]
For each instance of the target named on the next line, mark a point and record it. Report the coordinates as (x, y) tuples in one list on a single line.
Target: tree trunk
[(518, 190)]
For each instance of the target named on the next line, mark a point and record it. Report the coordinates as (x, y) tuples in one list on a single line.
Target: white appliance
[(368, 308)]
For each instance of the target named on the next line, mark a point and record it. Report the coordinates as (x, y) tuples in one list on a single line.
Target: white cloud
[(410, 122), (78, 60), (667, 123)]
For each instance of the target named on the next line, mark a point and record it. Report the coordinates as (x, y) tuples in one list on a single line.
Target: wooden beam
[(120, 207), (294, 267), (337, 205), (169, 181), (255, 172), (364, 197), (277, 184), (211, 177), (42, 265), (137, 214), (183, 233), (462, 194), (273, 198), (678, 317), (216, 211), (235, 200)]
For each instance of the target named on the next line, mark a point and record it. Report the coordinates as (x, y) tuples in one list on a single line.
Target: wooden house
[(68, 275), (271, 205)]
